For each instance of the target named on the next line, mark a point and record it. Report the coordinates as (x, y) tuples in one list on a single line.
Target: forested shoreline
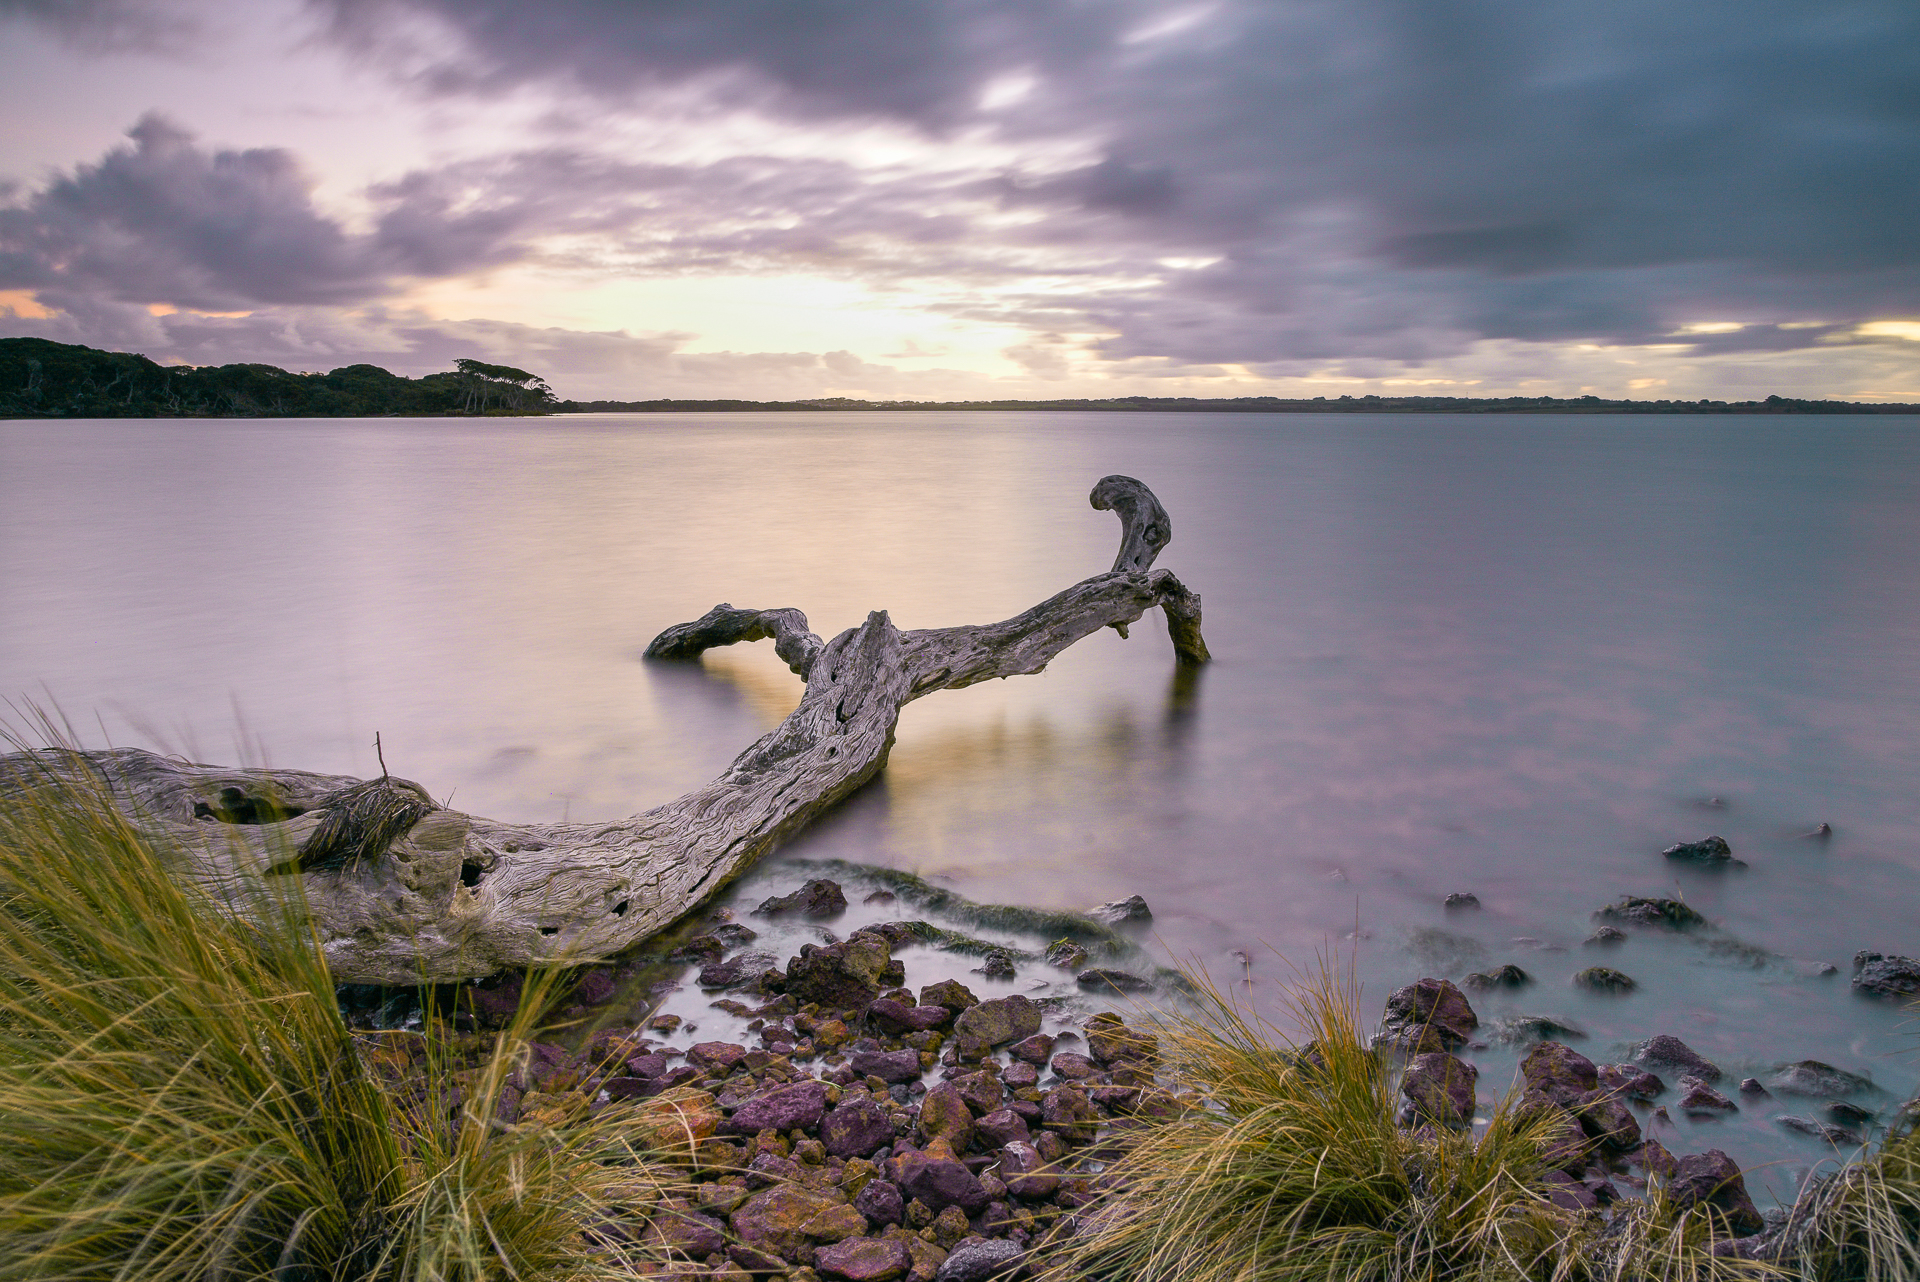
[(44, 379)]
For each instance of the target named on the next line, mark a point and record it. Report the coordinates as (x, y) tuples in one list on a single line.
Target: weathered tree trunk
[(403, 890)]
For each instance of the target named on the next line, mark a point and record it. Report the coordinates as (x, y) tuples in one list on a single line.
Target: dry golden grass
[(180, 1099)]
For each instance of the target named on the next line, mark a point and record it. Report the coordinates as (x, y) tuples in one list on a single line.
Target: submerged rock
[(1886, 975), (1629, 1082), (842, 976), (1638, 911), (1066, 954), (1674, 1055), (1463, 899), (1120, 911), (1604, 979), (1811, 1077), (1832, 1134), (1701, 1100), (1507, 976), (1713, 852), (819, 898), (1605, 937), (1522, 1030), (1105, 979)]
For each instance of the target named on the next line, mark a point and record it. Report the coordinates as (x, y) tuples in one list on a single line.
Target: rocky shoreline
[(867, 1131)]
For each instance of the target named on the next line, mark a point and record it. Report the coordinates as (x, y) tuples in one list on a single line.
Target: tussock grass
[(180, 1099), (1287, 1167)]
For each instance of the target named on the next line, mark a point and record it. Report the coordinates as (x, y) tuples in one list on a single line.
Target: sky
[(958, 199)]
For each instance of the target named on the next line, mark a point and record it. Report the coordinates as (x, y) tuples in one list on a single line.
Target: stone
[(1120, 911), (734, 934), (1885, 975), (1712, 852), (983, 1092), (1604, 979), (708, 1056), (785, 1108), (944, 1113), (1106, 979), (1629, 1082), (1073, 1067), (1002, 1127), (1507, 976), (856, 1128), (1712, 1181), (1460, 899), (888, 1066), (950, 993), (950, 1226), (1811, 1077), (738, 971), (1432, 1005), (676, 1120), (1066, 954), (1524, 1030), (1752, 1086), (1605, 937), (864, 1259), (783, 1218), (997, 1022), (1564, 1191), (721, 1199), (1068, 1113), (1608, 1121), (1835, 1135), (701, 948), (1439, 1088), (1111, 1042), (1634, 910), (939, 1182), (997, 964), (675, 1226), (842, 976), (897, 1017), (1848, 1114), (1559, 1072), (1701, 1100), (1026, 1173), (1653, 1158), (981, 1260), (1020, 1076), (818, 899), (881, 1202), (1674, 1055), (1035, 1050), (755, 1262)]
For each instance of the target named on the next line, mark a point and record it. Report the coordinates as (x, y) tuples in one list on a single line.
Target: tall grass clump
[(1286, 1165), (180, 1098)]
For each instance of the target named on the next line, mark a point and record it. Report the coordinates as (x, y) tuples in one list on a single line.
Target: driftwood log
[(402, 890)]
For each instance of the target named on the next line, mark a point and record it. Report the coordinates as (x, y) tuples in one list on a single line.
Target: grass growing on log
[(180, 1099)]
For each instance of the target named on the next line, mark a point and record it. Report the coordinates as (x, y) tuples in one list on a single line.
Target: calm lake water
[(1516, 656)]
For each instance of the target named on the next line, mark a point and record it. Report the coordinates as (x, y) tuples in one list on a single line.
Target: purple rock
[(1002, 1127), (1713, 1180), (782, 1109), (1439, 1088), (1073, 1067), (881, 1202), (1559, 1072), (856, 1128), (939, 1182), (888, 1066)]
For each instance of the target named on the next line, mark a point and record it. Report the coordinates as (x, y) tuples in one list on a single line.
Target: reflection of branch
[(457, 896)]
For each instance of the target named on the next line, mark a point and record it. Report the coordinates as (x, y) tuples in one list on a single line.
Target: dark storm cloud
[(105, 24), (1374, 173), (163, 220)]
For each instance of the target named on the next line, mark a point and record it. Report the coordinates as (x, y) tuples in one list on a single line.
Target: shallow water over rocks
[(1512, 658)]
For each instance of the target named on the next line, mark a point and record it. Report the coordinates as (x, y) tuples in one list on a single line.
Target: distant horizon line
[(1371, 402)]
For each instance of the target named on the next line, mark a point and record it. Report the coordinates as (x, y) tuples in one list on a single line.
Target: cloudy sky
[(926, 199)]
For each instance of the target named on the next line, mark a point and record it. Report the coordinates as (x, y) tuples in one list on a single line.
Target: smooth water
[(1516, 656)]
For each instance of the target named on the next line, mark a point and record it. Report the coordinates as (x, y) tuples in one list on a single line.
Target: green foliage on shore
[(1285, 1165), (180, 1099), (43, 379)]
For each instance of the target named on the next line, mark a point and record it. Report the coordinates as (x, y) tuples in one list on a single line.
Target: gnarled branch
[(402, 890)]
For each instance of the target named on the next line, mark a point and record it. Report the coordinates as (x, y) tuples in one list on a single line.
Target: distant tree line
[(1281, 405), (43, 379)]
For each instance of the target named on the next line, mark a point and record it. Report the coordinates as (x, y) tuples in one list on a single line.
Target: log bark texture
[(402, 890)]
